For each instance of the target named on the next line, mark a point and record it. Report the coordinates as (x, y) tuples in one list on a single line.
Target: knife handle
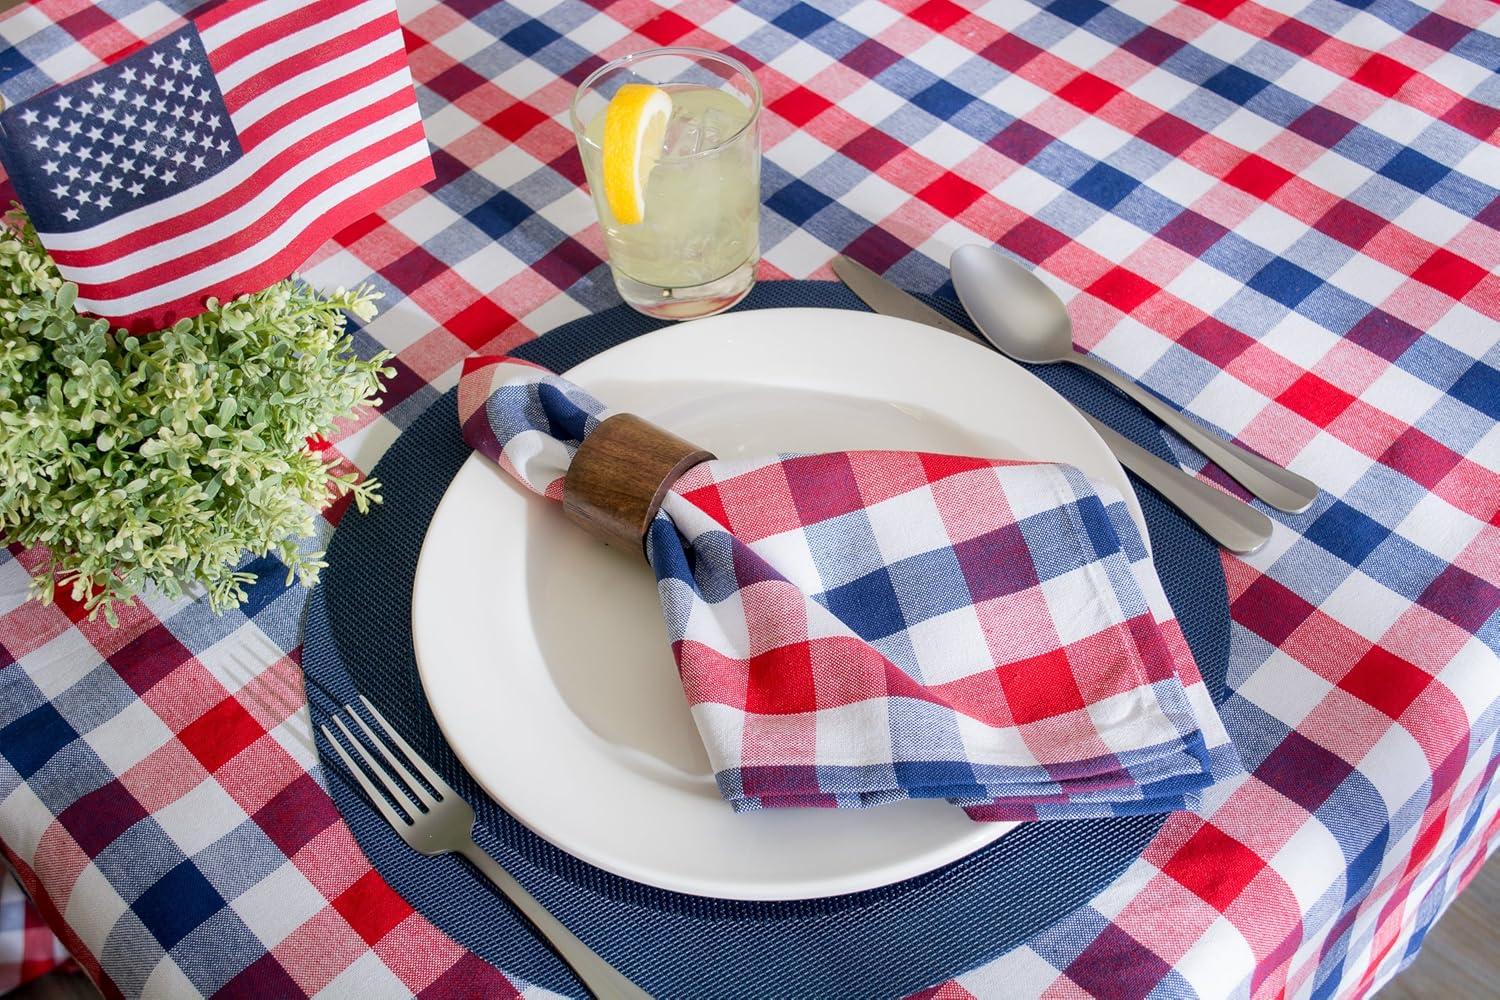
[(1232, 523)]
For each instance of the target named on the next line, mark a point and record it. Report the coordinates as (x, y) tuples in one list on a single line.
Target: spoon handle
[(1235, 525), (1281, 488)]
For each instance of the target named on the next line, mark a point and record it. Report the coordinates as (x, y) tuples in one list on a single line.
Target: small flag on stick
[(215, 160)]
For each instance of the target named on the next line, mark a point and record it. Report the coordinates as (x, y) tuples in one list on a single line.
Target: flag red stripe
[(352, 209), (274, 31), (243, 192), (372, 137), (334, 90), (308, 60), (216, 13), (168, 270)]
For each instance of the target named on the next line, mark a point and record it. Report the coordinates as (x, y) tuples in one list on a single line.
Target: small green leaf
[(161, 459)]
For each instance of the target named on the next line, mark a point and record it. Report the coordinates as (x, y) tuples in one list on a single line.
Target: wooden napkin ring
[(620, 476)]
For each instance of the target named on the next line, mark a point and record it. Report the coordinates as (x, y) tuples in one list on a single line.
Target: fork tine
[(392, 787), (385, 751), (391, 816), (423, 768)]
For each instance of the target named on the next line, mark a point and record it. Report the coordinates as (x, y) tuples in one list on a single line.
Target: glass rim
[(688, 51)]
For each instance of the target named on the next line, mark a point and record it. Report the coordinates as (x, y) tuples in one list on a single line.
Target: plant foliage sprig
[(160, 459)]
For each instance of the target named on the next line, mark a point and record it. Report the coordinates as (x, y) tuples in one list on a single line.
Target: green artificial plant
[(159, 460)]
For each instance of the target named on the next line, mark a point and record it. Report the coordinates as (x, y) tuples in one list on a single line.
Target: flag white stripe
[(268, 247), (244, 216), (247, 20), (285, 93), (300, 41), (184, 201)]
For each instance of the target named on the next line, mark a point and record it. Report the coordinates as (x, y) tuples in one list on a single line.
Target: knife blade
[(888, 300), (1233, 524)]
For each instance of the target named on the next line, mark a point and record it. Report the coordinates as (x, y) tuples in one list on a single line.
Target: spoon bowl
[(1013, 308), (1024, 319)]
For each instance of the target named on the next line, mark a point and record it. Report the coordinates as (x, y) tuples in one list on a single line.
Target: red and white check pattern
[(28, 948), (1364, 659), (854, 628)]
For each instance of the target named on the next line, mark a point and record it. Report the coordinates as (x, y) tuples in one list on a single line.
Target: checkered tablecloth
[(28, 948), (1281, 215)]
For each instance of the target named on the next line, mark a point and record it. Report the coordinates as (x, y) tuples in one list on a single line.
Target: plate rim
[(884, 874)]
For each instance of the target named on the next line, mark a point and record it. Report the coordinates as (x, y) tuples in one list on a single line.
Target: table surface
[(1280, 215)]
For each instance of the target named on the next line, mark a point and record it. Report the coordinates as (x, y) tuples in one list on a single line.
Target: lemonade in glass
[(670, 141)]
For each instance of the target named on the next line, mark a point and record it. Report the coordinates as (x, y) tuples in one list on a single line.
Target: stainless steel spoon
[(1237, 526), (1026, 320)]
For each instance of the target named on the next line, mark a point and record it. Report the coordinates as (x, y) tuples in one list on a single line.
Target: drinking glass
[(694, 252)]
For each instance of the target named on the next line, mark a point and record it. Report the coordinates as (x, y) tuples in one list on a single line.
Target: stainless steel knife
[(888, 300), (1233, 524)]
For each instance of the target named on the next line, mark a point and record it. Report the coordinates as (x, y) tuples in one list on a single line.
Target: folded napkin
[(855, 628)]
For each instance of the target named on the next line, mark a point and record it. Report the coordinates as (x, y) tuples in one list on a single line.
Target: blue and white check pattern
[(858, 628), (1279, 217)]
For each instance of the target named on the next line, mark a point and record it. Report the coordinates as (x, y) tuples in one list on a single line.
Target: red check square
[(951, 194), (781, 682), (480, 322), (1088, 92), (1315, 399), (1123, 289), (1449, 273), (1214, 866), (1383, 74), (800, 106), (1258, 176), (221, 733), (939, 15), (666, 27), (372, 907), (1041, 687)]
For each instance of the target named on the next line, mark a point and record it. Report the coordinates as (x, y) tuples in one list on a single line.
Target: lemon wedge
[(634, 124)]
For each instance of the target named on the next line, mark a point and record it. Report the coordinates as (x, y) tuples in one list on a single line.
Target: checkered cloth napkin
[(855, 628)]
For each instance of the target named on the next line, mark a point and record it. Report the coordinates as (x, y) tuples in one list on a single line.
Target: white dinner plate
[(543, 653)]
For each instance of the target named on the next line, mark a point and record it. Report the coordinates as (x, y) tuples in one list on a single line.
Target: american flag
[(215, 160)]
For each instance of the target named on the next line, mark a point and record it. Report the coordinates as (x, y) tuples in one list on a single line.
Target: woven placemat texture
[(885, 942)]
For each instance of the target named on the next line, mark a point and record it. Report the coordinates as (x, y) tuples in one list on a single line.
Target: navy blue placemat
[(884, 942)]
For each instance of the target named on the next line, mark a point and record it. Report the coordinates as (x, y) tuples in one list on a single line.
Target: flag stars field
[(279, 139), (169, 109)]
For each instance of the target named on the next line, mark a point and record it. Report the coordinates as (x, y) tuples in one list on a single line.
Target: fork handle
[(602, 979)]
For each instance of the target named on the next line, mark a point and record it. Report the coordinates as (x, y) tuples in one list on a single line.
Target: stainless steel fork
[(434, 820)]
